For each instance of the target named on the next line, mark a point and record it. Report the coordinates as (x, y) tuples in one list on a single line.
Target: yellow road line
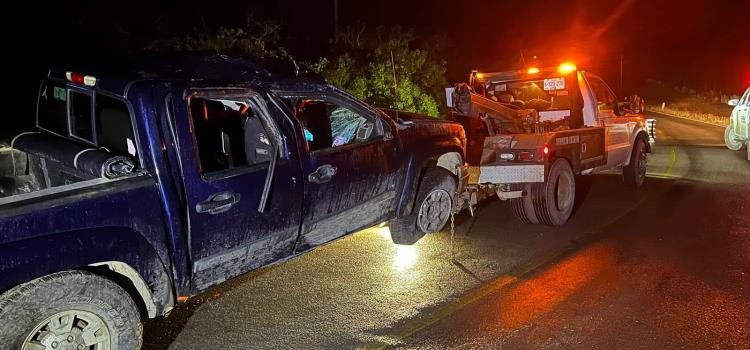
[(672, 161)]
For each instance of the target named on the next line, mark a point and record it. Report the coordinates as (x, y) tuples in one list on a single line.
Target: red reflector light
[(81, 79), (525, 156), (75, 77)]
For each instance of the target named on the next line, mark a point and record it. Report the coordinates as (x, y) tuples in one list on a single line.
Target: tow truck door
[(618, 128)]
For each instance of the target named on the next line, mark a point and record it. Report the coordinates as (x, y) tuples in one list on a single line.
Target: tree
[(258, 38), (364, 63)]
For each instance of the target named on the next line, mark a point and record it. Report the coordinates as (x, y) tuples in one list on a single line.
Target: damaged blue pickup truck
[(143, 186)]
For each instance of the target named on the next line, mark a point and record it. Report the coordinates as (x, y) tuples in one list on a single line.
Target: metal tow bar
[(464, 197)]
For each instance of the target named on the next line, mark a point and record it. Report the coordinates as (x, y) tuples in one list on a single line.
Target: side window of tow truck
[(605, 100)]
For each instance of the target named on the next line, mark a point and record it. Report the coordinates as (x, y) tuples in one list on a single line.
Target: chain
[(453, 230)]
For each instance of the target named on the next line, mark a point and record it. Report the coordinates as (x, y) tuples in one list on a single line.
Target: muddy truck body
[(531, 132), (143, 186)]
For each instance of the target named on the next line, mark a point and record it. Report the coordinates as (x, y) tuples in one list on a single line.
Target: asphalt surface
[(667, 266)]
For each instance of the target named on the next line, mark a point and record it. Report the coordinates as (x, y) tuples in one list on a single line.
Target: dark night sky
[(705, 43)]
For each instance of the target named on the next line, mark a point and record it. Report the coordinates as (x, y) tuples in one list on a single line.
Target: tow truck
[(530, 131)]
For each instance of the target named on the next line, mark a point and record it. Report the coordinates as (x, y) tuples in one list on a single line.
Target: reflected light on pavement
[(384, 232), (405, 257)]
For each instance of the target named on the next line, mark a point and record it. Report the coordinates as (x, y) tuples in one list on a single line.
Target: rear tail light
[(81, 79)]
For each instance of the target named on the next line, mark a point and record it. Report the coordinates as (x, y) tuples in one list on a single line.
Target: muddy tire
[(523, 208), (72, 309), (431, 210), (553, 200), (729, 139), (635, 173)]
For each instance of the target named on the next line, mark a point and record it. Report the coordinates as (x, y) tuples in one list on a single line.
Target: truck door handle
[(218, 202), (323, 174)]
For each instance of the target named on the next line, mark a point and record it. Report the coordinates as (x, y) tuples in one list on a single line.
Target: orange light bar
[(566, 68), (480, 75), (533, 70)]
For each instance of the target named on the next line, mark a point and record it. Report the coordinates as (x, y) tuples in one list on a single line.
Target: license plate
[(554, 84)]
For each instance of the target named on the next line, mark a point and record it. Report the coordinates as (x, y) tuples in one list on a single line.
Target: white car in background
[(737, 134)]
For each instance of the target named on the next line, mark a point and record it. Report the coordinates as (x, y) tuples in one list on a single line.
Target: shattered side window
[(229, 134), (328, 124)]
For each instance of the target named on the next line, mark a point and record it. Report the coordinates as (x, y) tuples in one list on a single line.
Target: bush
[(364, 64)]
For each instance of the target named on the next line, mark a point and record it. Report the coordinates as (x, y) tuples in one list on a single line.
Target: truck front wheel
[(635, 173), (431, 210), (69, 310), (553, 199), (730, 140)]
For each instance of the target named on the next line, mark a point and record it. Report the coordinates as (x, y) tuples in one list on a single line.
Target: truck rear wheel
[(431, 210), (635, 173), (523, 208), (553, 200), (69, 310)]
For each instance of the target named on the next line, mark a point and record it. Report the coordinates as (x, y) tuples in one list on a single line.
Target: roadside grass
[(694, 108)]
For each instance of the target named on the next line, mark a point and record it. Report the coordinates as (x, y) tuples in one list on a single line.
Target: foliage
[(258, 38), (361, 62), (364, 63)]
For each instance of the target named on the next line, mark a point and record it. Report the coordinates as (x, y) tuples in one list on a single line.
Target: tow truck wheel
[(69, 310), (635, 173), (523, 208), (553, 200), (729, 139), (431, 211)]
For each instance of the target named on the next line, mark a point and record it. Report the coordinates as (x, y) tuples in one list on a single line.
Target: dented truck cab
[(143, 186)]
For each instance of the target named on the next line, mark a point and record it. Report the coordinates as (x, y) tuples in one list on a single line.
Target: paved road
[(667, 266)]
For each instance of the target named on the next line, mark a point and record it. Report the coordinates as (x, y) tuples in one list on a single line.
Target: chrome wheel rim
[(642, 164), (434, 211), (69, 330), (564, 193)]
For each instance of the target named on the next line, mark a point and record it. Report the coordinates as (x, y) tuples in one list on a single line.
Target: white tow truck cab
[(530, 131), (737, 133)]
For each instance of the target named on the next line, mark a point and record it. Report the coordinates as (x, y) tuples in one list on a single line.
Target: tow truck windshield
[(550, 94)]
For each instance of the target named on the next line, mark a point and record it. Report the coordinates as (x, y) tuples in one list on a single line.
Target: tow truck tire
[(553, 199), (523, 208), (434, 203), (729, 139), (635, 173), (71, 309)]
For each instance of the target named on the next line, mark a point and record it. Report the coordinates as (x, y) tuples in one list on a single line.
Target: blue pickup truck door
[(227, 141), (349, 164)]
